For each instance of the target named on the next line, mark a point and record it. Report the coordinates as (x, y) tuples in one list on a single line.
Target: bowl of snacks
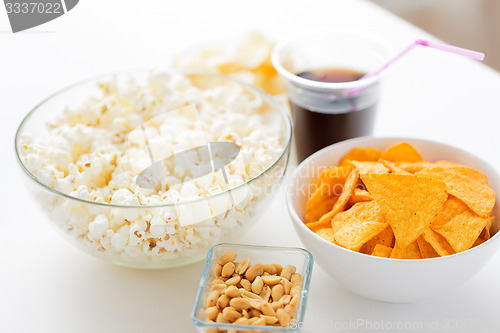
[(246, 288), (396, 219), (150, 169)]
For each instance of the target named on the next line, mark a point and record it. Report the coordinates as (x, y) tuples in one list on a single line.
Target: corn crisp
[(325, 233), (385, 237), (411, 251), (409, 203), (401, 152), (426, 249), (360, 154), (359, 195), (438, 242), (382, 251)]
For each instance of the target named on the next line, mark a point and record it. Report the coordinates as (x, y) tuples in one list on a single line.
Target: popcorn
[(96, 151)]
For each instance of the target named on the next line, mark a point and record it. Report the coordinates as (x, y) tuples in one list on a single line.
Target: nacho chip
[(485, 234), (401, 152), (347, 191), (478, 241), (468, 185), (426, 249), (382, 251), (334, 176), (411, 251), (409, 203), (415, 166), (325, 233), (358, 225), (441, 245), (370, 167), (360, 154), (458, 224), (359, 195), (393, 168), (385, 237)]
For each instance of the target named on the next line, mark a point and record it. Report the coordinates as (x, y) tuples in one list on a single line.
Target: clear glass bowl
[(72, 215), (297, 257)]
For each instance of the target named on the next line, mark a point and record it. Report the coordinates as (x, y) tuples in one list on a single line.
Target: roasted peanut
[(269, 269), (252, 320), (283, 317), (228, 257), (287, 272), (240, 304), (234, 280), (267, 309), (211, 330), (246, 284), (295, 290), (220, 288), (218, 281), (257, 285), (287, 285), (223, 301), (270, 320), (218, 270), (227, 270), (241, 321), (250, 295), (221, 319), (275, 305), (232, 291), (212, 312), (277, 292), (242, 267), (285, 299), (260, 321), (279, 268), (245, 314), (296, 279), (266, 293), (295, 300), (212, 298), (291, 310), (231, 314), (271, 280), (254, 313), (253, 272)]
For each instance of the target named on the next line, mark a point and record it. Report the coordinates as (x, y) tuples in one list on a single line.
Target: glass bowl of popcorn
[(149, 169)]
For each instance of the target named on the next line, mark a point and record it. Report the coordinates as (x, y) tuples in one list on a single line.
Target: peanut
[(254, 313), (279, 268), (217, 281), (285, 299), (271, 280), (221, 319), (228, 257), (253, 272), (246, 284), (295, 300), (270, 320), (227, 270), (240, 304), (287, 272), (223, 301), (251, 295), (212, 298), (252, 320), (242, 267), (232, 291), (283, 317), (277, 292), (260, 321), (287, 285), (231, 314), (241, 321), (212, 312), (257, 285), (266, 293), (267, 309), (294, 291), (218, 270), (296, 279), (275, 305), (245, 314), (291, 310), (270, 269), (234, 280), (220, 288)]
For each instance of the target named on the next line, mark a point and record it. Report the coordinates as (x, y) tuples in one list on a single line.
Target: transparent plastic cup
[(328, 112)]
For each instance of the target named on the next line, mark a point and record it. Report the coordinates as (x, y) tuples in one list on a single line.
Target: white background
[(46, 285)]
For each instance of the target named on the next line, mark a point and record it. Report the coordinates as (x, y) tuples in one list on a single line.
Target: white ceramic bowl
[(383, 279)]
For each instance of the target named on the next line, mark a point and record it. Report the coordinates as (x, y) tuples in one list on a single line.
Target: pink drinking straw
[(435, 45)]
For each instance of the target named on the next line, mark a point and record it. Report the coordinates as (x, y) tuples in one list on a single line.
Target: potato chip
[(370, 167), (468, 185), (385, 237), (393, 168), (358, 225), (426, 249), (359, 195), (347, 191), (441, 245), (360, 154), (382, 251), (401, 152), (409, 203), (458, 224), (325, 233), (411, 251)]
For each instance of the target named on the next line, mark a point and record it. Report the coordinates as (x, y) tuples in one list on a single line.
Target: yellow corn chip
[(360, 154), (382, 251), (411, 251), (370, 167), (358, 225), (485, 234), (426, 249), (442, 247), (325, 233), (359, 195), (468, 185), (334, 176), (458, 224), (415, 166), (393, 168), (478, 241), (385, 237), (409, 203), (401, 152)]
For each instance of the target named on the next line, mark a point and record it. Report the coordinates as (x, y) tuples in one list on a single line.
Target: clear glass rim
[(272, 101), (303, 297), (283, 44)]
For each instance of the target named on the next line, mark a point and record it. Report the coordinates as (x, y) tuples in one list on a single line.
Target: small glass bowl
[(300, 258)]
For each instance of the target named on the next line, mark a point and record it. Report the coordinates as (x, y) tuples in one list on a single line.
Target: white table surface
[(46, 285)]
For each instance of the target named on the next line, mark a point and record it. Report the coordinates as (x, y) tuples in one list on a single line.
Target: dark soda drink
[(341, 118)]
